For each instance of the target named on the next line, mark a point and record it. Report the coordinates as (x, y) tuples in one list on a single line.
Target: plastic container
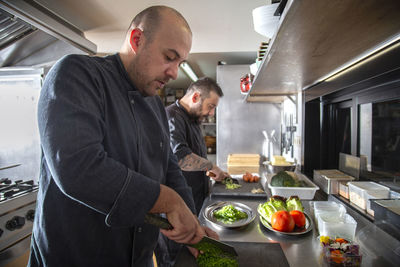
[(344, 189), (334, 259), (302, 192), (327, 207), (332, 225), (360, 192)]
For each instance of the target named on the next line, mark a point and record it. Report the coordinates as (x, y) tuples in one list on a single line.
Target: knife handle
[(158, 221)]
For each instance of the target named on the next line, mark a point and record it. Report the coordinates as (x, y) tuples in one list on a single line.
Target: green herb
[(229, 214), (232, 186), (229, 184), (212, 256)]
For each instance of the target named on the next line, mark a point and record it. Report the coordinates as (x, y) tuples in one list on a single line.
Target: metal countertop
[(377, 247)]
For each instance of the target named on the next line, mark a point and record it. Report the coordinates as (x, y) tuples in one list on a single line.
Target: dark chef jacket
[(105, 151), (186, 137)]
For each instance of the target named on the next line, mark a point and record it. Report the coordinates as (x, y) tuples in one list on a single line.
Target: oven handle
[(16, 250)]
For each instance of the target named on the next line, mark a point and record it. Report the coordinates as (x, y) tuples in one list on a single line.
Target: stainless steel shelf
[(315, 39)]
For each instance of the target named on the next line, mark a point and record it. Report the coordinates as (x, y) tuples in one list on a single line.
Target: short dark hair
[(150, 18), (205, 85)]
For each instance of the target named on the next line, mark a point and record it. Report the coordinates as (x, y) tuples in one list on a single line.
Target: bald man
[(106, 158)]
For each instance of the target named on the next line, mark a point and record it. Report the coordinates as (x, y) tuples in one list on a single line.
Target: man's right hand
[(186, 227), (217, 174)]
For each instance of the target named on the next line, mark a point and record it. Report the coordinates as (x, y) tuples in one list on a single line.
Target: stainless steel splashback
[(19, 135), (239, 123)]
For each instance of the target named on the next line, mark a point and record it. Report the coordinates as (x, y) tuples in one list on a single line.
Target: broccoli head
[(283, 179), (294, 203)]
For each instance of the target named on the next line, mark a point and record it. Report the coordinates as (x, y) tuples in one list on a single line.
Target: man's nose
[(211, 113), (172, 71)]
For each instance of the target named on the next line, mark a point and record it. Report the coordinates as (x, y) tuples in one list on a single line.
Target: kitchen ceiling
[(222, 29)]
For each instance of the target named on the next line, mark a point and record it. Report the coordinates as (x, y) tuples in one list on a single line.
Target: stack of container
[(361, 192), (332, 220)]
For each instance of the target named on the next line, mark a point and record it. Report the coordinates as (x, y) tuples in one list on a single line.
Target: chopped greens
[(213, 256), (229, 184), (232, 186), (229, 214)]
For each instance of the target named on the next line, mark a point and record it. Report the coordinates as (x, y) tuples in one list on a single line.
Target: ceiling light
[(188, 71)]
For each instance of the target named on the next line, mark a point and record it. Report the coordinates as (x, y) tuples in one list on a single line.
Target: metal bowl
[(277, 168)]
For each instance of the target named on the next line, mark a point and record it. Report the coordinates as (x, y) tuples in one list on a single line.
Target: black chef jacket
[(187, 138)]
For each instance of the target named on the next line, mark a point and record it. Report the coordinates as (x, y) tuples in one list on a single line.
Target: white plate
[(209, 214), (297, 231)]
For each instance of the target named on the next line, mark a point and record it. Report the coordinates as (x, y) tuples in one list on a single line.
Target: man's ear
[(196, 97), (135, 39)]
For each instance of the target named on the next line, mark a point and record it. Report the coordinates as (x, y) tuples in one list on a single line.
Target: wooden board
[(243, 169), (243, 160)]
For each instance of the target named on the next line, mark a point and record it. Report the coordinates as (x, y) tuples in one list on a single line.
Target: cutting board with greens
[(248, 185), (249, 254)]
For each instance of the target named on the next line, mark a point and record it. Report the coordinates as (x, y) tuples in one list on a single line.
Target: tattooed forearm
[(193, 162)]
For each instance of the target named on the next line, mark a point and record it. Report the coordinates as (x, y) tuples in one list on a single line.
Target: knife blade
[(163, 223)]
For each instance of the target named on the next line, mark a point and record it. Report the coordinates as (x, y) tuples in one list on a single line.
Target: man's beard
[(195, 114)]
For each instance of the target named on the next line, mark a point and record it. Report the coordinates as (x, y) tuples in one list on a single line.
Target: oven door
[(17, 255)]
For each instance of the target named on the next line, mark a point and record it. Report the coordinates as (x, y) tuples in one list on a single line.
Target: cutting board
[(219, 189), (243, 160), (250, 254), (241, 163)]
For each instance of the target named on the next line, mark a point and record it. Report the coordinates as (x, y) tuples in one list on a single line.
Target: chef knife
[(163, 223)]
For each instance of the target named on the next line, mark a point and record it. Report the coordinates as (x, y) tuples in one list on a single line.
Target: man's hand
[(186, 227), (209, 233), (217, 174)]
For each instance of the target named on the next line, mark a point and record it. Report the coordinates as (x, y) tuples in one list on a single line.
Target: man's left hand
[(209, 233)]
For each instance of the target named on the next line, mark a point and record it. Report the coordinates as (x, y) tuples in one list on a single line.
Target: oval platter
[(308, 227)]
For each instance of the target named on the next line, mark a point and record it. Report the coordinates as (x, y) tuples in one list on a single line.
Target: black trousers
[(166, 251)]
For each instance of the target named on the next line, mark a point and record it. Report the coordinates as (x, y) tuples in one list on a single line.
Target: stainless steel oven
[(17, 212)]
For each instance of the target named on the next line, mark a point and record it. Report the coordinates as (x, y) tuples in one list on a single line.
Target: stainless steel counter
[(377, 247)]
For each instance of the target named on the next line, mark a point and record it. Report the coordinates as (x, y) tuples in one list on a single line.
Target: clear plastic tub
[(360, 192), (335, 259), (324, 207), (332, 225)]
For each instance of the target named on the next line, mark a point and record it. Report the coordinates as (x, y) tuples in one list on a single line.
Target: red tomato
[(299, 218), (282, 221)]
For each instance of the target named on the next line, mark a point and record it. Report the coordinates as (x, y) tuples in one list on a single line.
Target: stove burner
[(10, 189)]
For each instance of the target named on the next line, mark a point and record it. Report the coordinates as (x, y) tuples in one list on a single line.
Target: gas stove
[(17, 211)]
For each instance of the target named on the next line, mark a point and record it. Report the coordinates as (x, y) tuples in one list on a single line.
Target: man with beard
[(106, 158), (187, 143)]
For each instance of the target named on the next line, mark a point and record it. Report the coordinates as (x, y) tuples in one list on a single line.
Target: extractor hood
[(31, 34)]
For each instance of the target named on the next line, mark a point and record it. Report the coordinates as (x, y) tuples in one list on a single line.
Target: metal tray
[(308, 227), (219, 189), (250, 254), (209, 214), (328, 180)]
